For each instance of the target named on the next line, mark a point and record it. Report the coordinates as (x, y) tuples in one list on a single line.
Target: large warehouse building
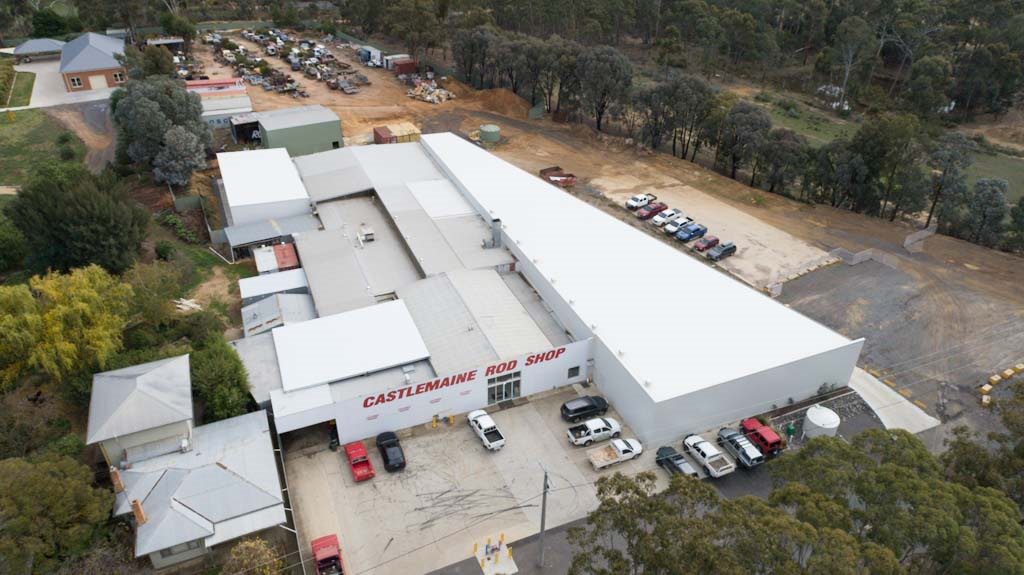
[(445, 280)]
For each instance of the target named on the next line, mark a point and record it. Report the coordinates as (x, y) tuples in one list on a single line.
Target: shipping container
[(382, 135), (404, 66)]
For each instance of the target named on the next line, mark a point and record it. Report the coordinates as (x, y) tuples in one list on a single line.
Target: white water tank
[(820, 421)]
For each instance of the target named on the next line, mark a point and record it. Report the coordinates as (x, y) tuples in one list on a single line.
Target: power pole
[(543, 516)]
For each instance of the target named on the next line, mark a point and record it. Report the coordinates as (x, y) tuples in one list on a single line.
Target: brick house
[(89, 62)]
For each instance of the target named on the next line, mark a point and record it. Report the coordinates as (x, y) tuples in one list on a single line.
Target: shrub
[(13, 247), (219, 380), (64, 138), (66, 153), (164, 250), (175, 223)]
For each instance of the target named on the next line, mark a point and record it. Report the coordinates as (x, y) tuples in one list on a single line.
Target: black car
[(391, 451), (584, 408), (674, 462), (721, 251)]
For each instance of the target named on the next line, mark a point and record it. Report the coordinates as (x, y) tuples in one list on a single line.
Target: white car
[(677, 224), (594, 430), (711, 459), (667, 216)]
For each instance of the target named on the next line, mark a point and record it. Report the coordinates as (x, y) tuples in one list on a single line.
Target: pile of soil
[(505, 102), (456, 87)]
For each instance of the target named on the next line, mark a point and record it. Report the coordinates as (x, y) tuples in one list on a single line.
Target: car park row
[(677, 224), (746, 447)]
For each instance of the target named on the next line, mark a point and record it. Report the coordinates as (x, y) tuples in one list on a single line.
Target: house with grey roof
[(89, 62), (184, 503), (141, 411), (186, 489)]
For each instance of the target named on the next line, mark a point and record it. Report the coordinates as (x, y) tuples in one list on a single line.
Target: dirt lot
[(91, 122)]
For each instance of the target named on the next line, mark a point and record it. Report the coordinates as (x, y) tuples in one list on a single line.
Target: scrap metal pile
[(429, 92)]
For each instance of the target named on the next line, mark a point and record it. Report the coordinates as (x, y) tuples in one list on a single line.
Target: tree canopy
[(51, 513), (70, 218)]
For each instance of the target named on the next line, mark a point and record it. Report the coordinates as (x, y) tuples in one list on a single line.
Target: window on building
[(335, 145), (574, 372), (182, 548), (503, 387), (118, 77), (76, 82)]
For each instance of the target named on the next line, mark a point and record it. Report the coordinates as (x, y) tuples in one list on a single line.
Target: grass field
[(1009, 168), (21, 92), (818, 128), (29, 141)]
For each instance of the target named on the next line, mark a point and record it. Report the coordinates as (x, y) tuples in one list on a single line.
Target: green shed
[(302, 130)]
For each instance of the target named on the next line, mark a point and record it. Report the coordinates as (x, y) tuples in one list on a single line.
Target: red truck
[(650, 210), (327, 555), (762, 436), (358, 460)]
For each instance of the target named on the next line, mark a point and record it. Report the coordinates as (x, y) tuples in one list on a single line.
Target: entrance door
[(503, 388), (97, 82)]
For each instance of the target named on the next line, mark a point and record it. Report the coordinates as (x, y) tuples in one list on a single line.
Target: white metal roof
[(260, 177), (344, 345), (224, 487), (138, 398), (226, 106), (277, 282), (600, 265)]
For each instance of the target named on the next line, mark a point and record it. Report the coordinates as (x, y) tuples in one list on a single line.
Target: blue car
[(691, 232)]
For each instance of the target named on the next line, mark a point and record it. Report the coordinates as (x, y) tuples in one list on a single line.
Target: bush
[(164, 250), (13, 247), (199, 327), (64, 138), (175, 223), (219, 380), (67, 153)]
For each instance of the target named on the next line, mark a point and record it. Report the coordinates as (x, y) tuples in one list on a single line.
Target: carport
[(38, 49)]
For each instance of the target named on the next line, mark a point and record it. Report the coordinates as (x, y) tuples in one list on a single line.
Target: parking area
[(764, 253), (453, 492)]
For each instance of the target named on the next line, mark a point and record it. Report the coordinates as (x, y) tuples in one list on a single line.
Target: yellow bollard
[(509, 552), (497, 558), (501, 537), (475, 548), (433, 423), (482, 563), (451, 420), (488, 541)]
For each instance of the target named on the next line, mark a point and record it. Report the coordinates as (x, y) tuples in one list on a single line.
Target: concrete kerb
[(775, 289), (914, 243)]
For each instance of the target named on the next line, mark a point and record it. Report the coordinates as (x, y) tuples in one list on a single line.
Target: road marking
[(905, 392), (920, 404), (889, 383)]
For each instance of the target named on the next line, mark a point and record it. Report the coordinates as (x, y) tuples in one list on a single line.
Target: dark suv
[(391, 451), (584, 408)]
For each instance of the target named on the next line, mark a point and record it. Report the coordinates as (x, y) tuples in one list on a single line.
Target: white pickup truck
[(593, 430), (640, 200), (668, 216), (708, 456), (486, 430), (616, 451)]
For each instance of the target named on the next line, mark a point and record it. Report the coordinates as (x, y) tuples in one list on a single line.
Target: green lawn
[(28, 141), (818, 127), (1009, 168), (21, 93)]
